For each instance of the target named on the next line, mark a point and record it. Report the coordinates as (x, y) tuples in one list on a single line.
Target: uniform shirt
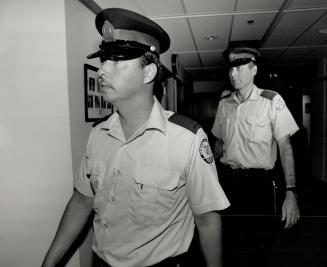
[(147, 187), (250, 129)]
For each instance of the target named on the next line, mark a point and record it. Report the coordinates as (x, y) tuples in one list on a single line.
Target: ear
[(150, 71), (254, 70)]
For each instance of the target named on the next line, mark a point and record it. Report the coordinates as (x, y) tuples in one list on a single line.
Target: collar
[(255, 94), (156, 120)]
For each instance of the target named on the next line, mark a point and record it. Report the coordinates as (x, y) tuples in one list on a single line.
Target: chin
[(107, 96)]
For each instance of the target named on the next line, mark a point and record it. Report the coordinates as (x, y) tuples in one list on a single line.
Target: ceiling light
[(323, 31), (211, 37)]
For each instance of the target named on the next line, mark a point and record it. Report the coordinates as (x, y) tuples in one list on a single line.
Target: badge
[(108, 32), (205, 151), (279, 103)]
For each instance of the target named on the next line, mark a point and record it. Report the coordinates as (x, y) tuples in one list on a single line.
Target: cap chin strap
[(121, 50)]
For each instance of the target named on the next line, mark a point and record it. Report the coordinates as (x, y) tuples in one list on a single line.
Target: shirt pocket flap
[(255, 121), (158, 178)]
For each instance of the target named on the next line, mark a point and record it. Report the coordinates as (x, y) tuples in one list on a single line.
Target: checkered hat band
[(236, 56), (140, 37)]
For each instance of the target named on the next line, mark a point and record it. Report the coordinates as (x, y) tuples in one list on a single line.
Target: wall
[(81, 39), (35, 150), (319, 122)]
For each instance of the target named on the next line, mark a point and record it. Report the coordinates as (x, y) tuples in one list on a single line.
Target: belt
[(244, 173), (169, 262)]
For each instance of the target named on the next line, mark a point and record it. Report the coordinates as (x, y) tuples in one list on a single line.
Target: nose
[(232, 71), (106, 69), (100, 72)]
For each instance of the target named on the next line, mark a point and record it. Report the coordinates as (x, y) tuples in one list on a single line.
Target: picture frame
[(95, 105)]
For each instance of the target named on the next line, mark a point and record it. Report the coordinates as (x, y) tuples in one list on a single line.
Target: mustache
[(104, 83)]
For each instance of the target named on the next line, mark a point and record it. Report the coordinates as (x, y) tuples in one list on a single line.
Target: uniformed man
[(249, 126), (147, 173)]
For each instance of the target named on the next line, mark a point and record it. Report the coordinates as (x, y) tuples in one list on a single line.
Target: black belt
[(169, 262), (244, 173)]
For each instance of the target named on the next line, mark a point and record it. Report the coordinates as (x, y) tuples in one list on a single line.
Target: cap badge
[(232, 57), (108, 32)]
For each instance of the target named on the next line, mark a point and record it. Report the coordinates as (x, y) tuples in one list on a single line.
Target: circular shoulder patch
[(205, 151), (279, 103)]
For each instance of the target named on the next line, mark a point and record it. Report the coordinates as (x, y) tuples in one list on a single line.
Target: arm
[(209, 226), (218, 148), (75, 216), (290, 209)]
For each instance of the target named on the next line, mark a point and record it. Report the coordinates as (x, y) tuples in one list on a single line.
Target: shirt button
[(116, 172)]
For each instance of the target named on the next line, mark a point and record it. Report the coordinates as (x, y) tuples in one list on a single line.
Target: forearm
[(209, 227), (287, 161), (74, 219), (218, 148)]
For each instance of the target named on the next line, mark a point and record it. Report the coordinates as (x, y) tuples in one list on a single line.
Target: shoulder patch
[(185, 122), (225, 96), (268, 94), (205, 151), (279, 103), (100, 120)]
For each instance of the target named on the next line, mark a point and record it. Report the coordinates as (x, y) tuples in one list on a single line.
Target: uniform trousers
[(250, 223)]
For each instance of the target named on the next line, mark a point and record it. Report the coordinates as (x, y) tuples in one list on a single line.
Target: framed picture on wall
[(95, 106)]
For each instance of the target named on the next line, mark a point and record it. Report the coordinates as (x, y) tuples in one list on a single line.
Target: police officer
[(147, 173), (249, 126)]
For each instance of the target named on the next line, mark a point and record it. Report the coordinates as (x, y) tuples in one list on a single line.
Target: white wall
[(35, 150), (82, 39)]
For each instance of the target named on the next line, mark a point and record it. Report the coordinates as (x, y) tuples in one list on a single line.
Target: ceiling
[(289, 32)]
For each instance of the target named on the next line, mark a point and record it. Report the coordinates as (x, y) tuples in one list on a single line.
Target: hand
[(290, 210), (218, 149)]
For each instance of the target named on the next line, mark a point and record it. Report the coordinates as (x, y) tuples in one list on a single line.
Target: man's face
[(120, 80), (242, 76)]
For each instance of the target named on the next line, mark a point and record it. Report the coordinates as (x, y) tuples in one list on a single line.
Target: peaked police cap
[(128, 35)]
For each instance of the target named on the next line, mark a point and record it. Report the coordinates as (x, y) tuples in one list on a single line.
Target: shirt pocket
[(153, 196), (97, 173), (259, 129)]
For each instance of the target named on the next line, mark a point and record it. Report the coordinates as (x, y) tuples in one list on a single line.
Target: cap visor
[(96, 54), (239, 62)]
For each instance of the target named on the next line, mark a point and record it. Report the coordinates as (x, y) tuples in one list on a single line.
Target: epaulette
[(100, 120), (185, 122), (268, 94), (225, 96)]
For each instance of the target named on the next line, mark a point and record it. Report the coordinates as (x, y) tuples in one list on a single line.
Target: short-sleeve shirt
[(249, 130), (146, 188)]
